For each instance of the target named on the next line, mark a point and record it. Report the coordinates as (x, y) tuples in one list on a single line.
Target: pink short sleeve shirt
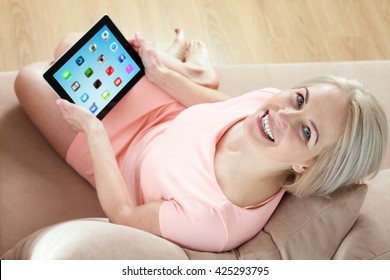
[(166, 152), (179, 168)]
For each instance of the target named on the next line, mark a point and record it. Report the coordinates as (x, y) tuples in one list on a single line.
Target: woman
[(181, 160)]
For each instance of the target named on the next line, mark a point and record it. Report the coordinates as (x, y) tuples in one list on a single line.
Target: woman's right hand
[(79, 118)]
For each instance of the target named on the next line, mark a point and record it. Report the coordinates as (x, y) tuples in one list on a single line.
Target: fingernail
[(138, 35), (58, 102)]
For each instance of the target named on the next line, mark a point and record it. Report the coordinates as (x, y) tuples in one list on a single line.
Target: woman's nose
[(286, 117)]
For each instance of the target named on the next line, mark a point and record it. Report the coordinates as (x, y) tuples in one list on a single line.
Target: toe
[(180, 36)]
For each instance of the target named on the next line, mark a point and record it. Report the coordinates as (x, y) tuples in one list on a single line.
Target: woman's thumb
[(139, 37)]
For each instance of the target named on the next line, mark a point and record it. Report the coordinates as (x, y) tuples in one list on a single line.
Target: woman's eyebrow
[(311, 122), (315, 128), (307, 95)]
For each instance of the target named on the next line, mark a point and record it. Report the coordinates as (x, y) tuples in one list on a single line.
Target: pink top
[(174, 161)]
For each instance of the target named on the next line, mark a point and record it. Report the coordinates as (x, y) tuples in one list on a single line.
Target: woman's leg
[(38, 100), (190, 59), (200, 69), (66, 42)]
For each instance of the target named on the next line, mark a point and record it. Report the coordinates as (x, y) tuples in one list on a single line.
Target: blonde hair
[(359, 151)]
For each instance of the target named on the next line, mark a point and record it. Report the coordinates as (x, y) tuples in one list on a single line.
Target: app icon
[(105, 95), (97, 83), (109, 70), (84, 97), (88, 72), (117, 81), (121, 57), (105, 35), (129, 69), (92, 47), (114, 47), (101, 59), (80, 60), (75, 86), (93, 108), (66, 75)]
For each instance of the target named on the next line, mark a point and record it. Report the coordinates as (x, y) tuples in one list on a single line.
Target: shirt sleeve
[(196, 225), (192, 224)]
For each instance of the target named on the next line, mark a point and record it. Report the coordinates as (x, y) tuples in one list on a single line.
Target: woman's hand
[(149, 56), (81, 119)]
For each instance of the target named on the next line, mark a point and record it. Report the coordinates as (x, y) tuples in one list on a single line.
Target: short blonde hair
[(359, 151)]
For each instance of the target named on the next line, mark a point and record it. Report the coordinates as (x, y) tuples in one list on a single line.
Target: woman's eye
[(300, 100), (306, 133)]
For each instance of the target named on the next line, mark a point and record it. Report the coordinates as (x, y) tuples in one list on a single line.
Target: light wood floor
[(236, 31)]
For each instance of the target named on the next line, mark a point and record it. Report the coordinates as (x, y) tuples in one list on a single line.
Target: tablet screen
[(98, 70)]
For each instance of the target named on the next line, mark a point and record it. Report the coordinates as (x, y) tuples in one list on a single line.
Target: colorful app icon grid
[(97, 72)]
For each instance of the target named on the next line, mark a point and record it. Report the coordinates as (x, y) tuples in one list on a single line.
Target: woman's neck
[(243, 181)]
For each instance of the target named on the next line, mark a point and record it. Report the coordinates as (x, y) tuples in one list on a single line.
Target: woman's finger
[(135, 45), (78, 117)]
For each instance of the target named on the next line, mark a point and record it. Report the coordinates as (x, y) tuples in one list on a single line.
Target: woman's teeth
[(267, 130)]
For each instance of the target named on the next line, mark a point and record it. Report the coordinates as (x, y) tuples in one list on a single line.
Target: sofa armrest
[(37, 188), (94, 239)]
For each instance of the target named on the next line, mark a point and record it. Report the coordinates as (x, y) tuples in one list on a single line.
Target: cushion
[(369, 238), (93, 239), (309, 228)]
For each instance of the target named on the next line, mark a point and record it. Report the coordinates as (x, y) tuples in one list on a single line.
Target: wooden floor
[(236, 31)]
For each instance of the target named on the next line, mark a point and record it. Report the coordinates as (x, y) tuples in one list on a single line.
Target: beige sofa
[(48, 212)]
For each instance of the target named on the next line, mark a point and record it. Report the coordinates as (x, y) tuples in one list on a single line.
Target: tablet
[(98, 70)]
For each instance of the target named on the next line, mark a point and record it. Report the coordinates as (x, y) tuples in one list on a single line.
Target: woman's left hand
[(81, 119), (149, 56)]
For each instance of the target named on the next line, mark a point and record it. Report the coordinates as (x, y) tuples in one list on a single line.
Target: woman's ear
[(300, 169)]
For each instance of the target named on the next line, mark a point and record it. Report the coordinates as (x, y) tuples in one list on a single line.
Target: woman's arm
[(179, 87), (110, 185)]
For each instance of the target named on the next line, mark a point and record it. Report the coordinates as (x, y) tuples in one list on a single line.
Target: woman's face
[(294, 126)]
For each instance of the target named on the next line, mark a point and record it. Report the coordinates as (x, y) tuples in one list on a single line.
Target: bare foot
[(199, 67), (174, 56), (191, 59), (179, 46)]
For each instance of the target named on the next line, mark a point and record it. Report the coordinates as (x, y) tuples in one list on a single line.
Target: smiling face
[(294, 126)]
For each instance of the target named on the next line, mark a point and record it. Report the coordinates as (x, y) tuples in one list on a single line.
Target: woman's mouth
[(265, 127)]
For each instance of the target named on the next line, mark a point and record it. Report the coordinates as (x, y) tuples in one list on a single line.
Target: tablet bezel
[(105, 20)]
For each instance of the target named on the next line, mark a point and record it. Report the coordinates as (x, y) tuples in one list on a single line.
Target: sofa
[(47, 211)]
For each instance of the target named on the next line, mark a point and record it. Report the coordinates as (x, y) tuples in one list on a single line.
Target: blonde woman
[(181, 160)]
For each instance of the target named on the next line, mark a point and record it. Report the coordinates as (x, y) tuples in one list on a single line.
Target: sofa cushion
[(369, 237), (309, 228)]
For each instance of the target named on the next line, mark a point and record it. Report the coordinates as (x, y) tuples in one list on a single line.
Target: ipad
[(98, 70)]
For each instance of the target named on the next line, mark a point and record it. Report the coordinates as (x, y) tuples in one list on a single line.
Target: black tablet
[(98, 70)]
